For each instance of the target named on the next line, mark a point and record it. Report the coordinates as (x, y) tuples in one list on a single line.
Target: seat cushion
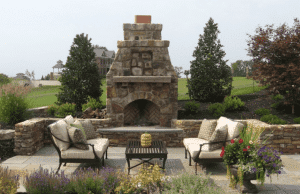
[(100, 146), (59, 129), (69, 119), (77, 136), (187, 141), (194, 148), (233, 127), (89, 129), (206, 129), (218, 135)]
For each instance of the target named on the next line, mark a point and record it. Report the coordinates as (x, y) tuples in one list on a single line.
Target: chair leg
[(106, 153), (190, 158), (103, 160), (65, 164), (196, 168), (185, 153), (58, 168)]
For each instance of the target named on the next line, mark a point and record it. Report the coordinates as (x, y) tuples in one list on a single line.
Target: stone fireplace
[(142, 85)]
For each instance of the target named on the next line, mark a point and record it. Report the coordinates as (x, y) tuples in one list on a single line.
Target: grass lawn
[(45, 95)]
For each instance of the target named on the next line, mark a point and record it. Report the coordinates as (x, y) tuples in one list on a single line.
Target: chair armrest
[(197, 155)]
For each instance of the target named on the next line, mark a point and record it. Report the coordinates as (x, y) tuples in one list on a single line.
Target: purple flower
[(274, 165), (254, 169), (279, 172)]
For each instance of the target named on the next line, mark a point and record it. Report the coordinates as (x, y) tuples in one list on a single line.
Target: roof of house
[(99, 52), (21, 76)]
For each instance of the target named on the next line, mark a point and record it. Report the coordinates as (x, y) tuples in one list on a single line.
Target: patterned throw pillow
[(79, 126), (89, 129), (207, 128), (77, 136), (218, 135)]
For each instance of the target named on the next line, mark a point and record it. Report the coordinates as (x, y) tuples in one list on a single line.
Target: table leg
[(128, 163), (164, 162)]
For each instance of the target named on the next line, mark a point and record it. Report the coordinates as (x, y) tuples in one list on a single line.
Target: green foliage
[(191, 107), (272, 119), (262, 111), (93, 103), (217, 109), (276, 105), (233, 103), (278, 97), (209, 73), (8, 186), (4, 79), (65, 110), (13, 109), (297, 120), (80, 79), (52, 109)]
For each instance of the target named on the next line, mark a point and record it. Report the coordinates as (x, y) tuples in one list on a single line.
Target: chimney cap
[(142, 19)]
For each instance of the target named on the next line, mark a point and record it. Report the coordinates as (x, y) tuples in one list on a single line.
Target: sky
[(36, 34)]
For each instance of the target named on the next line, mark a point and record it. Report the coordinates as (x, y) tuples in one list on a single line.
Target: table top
[(157, 147)]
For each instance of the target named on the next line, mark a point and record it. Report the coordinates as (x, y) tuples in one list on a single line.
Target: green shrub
[(297, 120), (233, 103), (65, 110), (262, 111), (217, 109), (278, 97), (191, 107), (52, 109), (276, 105), (8, 186), (13, 109), (272, 119), (92, 103)]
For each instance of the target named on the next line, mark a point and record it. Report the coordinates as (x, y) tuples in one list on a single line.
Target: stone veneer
[(142, 84), (32, 135)]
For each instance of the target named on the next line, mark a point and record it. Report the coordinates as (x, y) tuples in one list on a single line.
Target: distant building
[(104, 59)]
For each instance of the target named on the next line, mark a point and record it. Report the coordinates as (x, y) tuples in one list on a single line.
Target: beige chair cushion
[(69, 119), (233, 127), (100, 146), (59, 129), (207, 128), (193, 148), (187, 141), (89, 129), (218, 135), (211, 155), (77, 136)]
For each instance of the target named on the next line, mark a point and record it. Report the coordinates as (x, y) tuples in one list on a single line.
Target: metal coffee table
[(134, 150)]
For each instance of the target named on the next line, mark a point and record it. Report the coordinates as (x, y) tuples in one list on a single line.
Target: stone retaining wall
[(32, 135)]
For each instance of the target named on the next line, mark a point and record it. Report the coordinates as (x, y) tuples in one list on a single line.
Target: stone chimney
[(142, 85)]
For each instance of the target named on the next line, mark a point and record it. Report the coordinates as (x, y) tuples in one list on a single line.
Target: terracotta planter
[(248, 186)]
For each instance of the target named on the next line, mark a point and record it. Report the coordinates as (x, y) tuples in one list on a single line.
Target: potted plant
[(247, 160)]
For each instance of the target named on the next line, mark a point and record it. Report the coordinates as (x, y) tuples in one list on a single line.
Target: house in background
[(104, 59), (22, 79)]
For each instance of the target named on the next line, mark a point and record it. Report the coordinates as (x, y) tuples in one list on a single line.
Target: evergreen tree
[(4, 79), (47, 77), (209, 73), (80, 78), (42, 78)]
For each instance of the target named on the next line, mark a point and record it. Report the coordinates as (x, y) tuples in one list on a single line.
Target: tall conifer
[(209, 73), (80, 78)]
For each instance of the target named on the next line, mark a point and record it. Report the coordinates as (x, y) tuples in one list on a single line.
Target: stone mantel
[(143, 79)]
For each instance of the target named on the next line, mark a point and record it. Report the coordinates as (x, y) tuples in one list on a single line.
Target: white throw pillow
[(69, 119), (60, 131), (233, 127)]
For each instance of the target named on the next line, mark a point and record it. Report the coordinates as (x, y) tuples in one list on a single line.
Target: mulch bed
[(252, 101)]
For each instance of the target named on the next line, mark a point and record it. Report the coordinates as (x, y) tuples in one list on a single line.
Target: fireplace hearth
[(142, 85)]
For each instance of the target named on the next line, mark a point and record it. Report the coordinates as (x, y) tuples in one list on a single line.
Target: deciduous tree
[(209, 73), (281, 66), (178, 71)]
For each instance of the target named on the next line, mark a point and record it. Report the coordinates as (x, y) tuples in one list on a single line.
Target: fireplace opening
[(141, 113)]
